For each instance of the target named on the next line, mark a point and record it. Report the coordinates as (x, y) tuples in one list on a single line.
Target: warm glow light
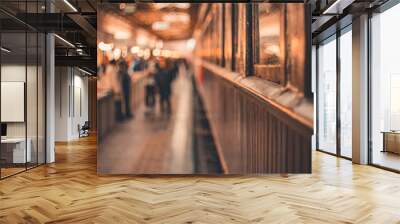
[(175, 54), (156, 52), (147, 54), (140, 53), (191, 44), (117, 53), (176, 5), (124, 52), (159, 44), (141, 40), (160, 25), (105, 47), (166, 53), (177, 17), (135, 49), (274, 49), (120, 35), (182, 5)]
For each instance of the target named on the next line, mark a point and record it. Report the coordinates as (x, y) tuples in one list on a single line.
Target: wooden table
[(13, 150)]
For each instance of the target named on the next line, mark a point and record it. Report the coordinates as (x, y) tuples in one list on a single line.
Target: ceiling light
[(182, 5), (176, 17), (161, 5), (121, 35), (160, 25), (176, 5), (70, 5), (84, 71), (105, 47), (5, 50), (65, 41), (337, 7)]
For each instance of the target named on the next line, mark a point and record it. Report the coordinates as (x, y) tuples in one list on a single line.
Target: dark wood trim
[(234, 36), (248, 59), (308, 66), (238, 82)]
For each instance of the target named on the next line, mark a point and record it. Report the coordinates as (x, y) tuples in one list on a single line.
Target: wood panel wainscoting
[(254, 133)]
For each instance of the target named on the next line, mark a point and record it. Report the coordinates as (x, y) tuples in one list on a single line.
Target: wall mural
[(181, 89)]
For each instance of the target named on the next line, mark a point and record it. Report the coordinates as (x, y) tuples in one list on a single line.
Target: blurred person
[(102, 80), (138, 64), (164, 78), (150, 88), (125, 80), (115, 85), (174, 69)]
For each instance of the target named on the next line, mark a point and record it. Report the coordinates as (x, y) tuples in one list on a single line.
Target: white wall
[(71, 102), (12, 73)]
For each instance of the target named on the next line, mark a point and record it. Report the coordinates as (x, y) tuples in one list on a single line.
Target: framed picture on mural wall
[(269, 42)]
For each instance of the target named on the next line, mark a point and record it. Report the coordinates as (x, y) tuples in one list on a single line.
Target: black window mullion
[(338, 98), (317, 97), (248, 58)]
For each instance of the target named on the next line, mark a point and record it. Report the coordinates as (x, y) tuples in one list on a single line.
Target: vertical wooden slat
[(254, 137)]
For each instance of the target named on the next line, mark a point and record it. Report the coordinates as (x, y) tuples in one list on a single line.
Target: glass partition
[(346, 93), (327, 96), (15, 149), (22, 89), (385, 89)]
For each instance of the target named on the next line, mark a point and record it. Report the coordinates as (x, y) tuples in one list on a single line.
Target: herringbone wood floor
[(69, 191)]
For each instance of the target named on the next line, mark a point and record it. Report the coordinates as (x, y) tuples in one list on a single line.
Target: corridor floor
[(153, 143)]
